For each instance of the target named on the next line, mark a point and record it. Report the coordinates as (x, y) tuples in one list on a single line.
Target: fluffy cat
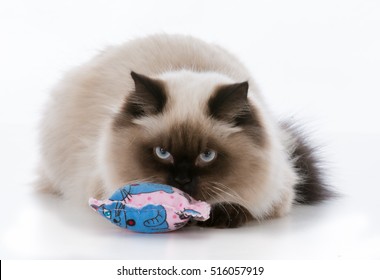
[(176, 110)]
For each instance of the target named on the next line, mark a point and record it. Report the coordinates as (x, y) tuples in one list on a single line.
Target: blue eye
[(207, 156), (162, 153), (107, 213)]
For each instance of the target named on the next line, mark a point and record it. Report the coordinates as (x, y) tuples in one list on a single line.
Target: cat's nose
[(182, 173), (186, 184), (182, 180)]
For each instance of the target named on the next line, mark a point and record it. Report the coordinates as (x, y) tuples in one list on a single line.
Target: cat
[(175, 110)]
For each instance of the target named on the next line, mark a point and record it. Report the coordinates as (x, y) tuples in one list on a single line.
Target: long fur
[(105, 118), (312, 186)]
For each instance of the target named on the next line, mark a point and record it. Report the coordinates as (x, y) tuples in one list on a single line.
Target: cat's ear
[(148, 98), (230, 103)]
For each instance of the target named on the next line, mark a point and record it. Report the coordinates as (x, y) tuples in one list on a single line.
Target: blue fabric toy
[(149, 208)]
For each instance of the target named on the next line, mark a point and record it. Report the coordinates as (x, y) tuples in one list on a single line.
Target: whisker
[(236, 208), (211, 195), (227, 189), (224, 202), (230, 192), (227, 202), (217, 187)]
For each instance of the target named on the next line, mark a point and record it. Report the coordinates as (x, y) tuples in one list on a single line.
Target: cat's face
[(196, 132)]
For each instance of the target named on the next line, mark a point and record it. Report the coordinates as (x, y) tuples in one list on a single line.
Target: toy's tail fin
[(94, 203)]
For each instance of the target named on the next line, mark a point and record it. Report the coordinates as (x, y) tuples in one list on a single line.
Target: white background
[(316, 61)]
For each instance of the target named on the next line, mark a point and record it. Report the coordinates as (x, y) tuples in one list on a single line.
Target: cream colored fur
[(76, 127)]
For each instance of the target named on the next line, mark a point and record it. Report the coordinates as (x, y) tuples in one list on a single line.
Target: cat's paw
[(227, 215)]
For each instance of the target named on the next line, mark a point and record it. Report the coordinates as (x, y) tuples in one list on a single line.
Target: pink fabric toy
[(149, 207)]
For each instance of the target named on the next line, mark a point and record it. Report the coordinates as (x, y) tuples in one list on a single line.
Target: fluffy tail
[(312, 187)]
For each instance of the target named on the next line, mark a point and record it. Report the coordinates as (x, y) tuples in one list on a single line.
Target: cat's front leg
[(226, 215)]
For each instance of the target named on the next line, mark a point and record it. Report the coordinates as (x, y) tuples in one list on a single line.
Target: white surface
[(318, 61)]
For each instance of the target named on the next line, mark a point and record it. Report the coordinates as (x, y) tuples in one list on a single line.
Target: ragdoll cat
[(175, 110)]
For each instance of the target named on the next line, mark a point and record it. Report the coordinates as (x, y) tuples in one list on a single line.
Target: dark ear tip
[(245, 85), (134, 75)]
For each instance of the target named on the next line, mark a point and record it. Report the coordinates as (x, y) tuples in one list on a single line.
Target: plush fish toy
[(149, 208)]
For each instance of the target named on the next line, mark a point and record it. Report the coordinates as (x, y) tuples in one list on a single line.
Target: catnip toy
[(149, 207)]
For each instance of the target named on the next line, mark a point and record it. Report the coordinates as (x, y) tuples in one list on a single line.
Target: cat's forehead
[(186, 112), (185, 138), (188, 92), (185, 124), (193, 131)]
